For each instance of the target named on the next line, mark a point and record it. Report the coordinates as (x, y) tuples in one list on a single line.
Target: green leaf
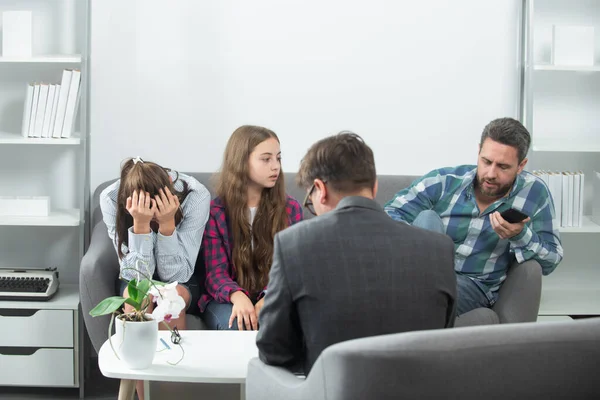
[(143, 288), (133, 303), (107, 306), (132, 290)]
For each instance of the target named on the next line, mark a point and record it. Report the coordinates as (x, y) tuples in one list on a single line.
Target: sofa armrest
[(519, 296), (98, 273)]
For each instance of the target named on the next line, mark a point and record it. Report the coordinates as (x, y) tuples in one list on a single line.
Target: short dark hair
[(344, 161), (510, 132)]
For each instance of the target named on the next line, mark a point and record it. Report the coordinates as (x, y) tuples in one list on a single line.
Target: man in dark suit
[(351, 272)]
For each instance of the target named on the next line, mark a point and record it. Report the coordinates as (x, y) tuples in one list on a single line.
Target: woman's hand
[(141, 208), (243, 310), (167, 205)]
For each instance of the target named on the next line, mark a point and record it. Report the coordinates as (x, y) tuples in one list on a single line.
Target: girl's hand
[(243, 310), (167, 205), (141, 207)]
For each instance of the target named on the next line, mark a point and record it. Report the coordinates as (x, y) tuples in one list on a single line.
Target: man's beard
[(495, 191)]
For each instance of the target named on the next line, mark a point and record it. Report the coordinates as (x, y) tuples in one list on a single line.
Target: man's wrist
[(523, 238)]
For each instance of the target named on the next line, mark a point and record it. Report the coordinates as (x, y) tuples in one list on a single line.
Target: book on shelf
[(581, 191), (41, 110), (54, 110), (596, 197), (48, 113), (50, 110), (27, 110), (576, 193), (34, 107), (570, 197), (72, 103), (62, 103), (556, 191), (567, 194)]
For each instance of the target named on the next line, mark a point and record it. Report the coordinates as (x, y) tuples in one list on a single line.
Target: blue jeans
[(216, 316), (470, 294)]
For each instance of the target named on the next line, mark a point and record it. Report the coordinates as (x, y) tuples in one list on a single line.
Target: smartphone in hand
[(513, 216)]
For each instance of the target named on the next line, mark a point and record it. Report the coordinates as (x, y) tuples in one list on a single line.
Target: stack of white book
[(50, 109), (566, 189)]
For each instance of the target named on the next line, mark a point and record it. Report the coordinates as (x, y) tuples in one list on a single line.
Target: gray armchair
[(98, 275), (518, 298), (510, 361)]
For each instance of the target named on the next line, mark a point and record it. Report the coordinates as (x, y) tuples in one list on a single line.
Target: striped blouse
[(171, 258)]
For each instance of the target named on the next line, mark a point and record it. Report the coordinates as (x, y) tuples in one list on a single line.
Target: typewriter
[(28, 284)]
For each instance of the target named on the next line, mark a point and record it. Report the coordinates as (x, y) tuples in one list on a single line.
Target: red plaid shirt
[(217, 245)]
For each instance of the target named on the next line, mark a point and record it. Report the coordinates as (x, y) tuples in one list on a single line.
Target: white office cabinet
[(41, 342), (561, 100)]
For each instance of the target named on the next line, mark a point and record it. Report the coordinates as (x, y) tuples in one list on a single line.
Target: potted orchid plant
[(137, 331)]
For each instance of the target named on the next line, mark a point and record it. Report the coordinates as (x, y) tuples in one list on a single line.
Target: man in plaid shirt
[(465, 203)]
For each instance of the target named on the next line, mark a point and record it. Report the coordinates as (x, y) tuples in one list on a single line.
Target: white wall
[(417, 79)]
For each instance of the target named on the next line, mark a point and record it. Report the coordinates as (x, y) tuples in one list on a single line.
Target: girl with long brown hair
[(250, 208), (157, 216)]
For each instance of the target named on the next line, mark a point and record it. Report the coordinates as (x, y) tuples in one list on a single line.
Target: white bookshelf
[(57, 59), (53, 167), (56, 218), (15, 138), (571, 68), (560, 110)]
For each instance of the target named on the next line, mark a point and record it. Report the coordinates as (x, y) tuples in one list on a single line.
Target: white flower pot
[(135, 342)]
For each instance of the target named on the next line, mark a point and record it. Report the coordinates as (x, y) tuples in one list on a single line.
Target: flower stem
[(178, 344)]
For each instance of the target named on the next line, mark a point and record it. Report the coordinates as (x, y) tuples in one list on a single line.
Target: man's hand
[(243, 310), (167, 205), (505, 229), (258, 306), (141, 208)]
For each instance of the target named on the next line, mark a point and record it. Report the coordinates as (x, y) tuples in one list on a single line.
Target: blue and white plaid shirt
[(480, 253)]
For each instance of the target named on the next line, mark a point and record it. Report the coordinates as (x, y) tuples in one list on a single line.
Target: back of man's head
[(343, 161)]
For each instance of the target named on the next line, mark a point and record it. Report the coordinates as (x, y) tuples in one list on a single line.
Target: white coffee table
[(210, 357)]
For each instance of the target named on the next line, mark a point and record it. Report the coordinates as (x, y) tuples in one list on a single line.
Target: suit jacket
[(351, 273)]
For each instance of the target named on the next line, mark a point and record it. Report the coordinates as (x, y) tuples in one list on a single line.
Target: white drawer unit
[(31, 328), (40, 342), (23, 366)]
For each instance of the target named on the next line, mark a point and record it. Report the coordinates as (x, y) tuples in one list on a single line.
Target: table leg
[(126, 389), (146, 390), (242, 391)]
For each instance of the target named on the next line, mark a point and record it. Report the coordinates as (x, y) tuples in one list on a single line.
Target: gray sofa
[(550, 360), (518, 300)]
